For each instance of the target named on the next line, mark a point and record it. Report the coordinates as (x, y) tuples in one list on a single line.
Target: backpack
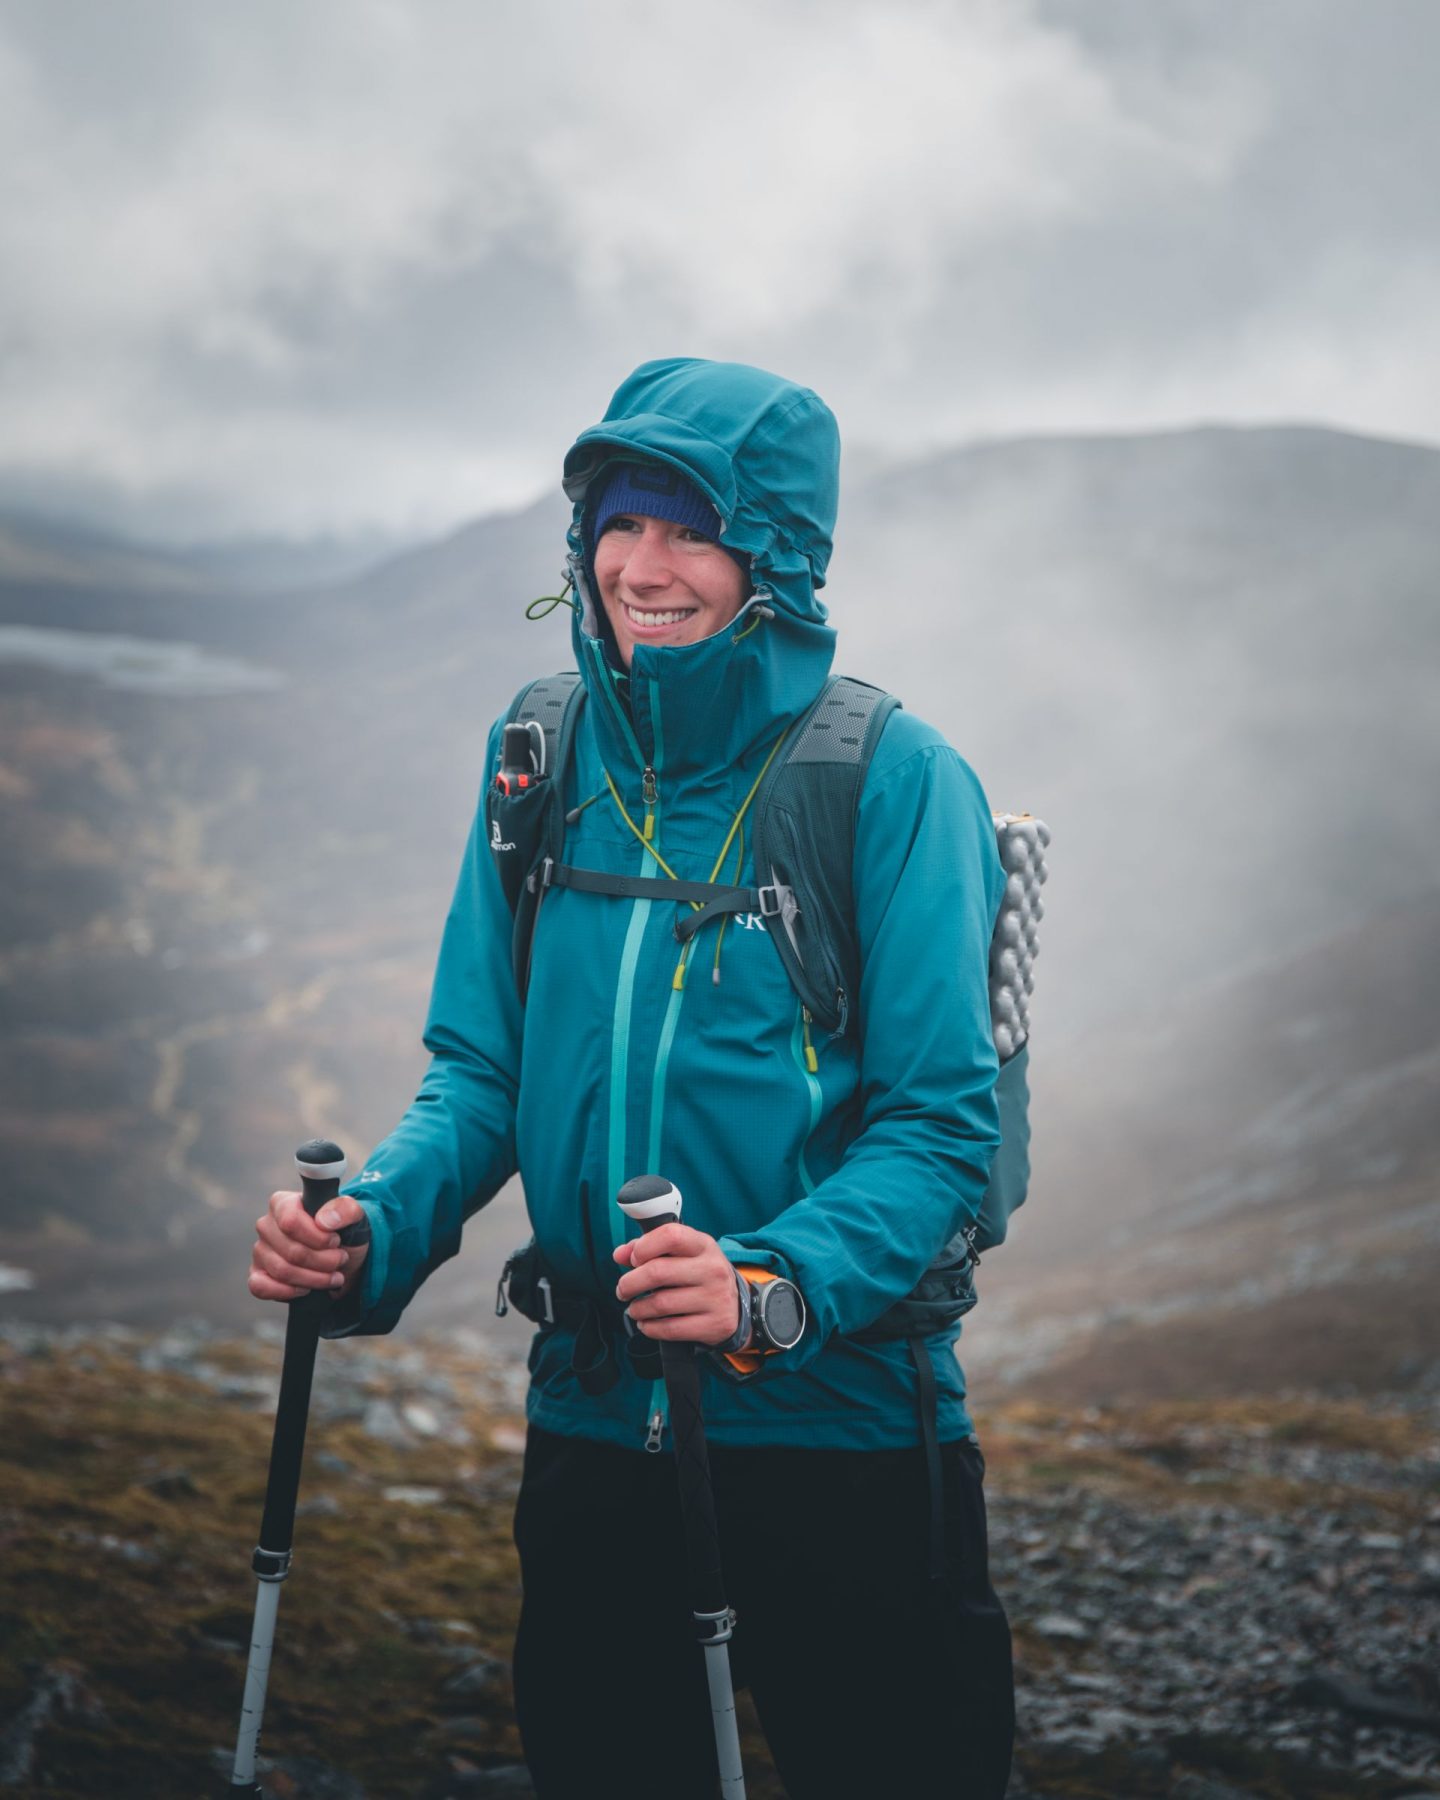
[(804, 835)]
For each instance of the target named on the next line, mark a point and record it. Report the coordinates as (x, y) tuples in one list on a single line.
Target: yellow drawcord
[(812, 1062), (725, 917), (736, 824), (745, 804), (615, 796), (729, 836)]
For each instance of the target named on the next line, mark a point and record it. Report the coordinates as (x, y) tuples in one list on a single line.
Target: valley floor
[(1212, 1599)]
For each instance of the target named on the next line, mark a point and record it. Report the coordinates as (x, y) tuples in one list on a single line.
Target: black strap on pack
[(601, 1333), (708, 899), (715, 894)]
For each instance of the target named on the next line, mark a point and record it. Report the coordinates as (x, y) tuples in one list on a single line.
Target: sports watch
[(777, 1314), (772, 1313)]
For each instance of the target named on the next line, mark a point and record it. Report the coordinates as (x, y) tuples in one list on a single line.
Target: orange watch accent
[(746, 1362)]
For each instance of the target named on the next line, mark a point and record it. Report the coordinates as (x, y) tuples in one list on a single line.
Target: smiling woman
[(663, 576)]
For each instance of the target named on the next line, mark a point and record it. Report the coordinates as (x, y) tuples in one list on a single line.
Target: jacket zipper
[(624, 995)]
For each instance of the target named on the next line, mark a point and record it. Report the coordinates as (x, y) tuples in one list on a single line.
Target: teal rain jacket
[(847, 1179)]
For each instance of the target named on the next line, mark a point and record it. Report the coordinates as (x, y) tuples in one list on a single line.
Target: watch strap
[(741, 1336), (746, 1362)]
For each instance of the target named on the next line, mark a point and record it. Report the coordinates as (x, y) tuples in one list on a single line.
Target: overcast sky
[(357, 264)]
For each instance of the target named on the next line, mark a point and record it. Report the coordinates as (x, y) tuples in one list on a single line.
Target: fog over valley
[(1203, 656)]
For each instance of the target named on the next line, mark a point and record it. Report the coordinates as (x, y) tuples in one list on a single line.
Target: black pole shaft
[(287, 1446), (681, 1369), (292, 1411), (692, 1460)]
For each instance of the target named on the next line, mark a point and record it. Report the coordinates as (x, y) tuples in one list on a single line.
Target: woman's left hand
[(681, 1286)]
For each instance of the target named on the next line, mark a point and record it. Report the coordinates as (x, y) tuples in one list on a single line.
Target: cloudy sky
[(368, 264)]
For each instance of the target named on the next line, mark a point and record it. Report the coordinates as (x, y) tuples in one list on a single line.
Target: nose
[(648, 563)]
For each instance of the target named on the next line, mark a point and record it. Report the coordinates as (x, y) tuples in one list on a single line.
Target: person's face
[(664, 584)]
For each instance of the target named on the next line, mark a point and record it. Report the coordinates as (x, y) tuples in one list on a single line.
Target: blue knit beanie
[(655, 491)]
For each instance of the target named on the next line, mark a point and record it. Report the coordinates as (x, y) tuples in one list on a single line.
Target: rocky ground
[(1222, 1599)]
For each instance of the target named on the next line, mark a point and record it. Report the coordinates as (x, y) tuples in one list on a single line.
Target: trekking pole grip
[(321, 1166), (650, 1200)]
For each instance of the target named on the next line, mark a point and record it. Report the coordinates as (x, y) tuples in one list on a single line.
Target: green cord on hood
[(546, 604)]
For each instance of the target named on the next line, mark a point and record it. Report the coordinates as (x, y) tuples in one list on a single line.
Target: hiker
[(821, 1167)]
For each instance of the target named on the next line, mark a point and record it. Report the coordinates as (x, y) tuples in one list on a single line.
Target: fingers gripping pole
[(653, 1202)]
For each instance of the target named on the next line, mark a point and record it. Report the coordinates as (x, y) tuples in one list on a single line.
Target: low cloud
[(371, 264)]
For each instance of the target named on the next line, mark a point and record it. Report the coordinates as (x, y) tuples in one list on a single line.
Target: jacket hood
[(765, 452)]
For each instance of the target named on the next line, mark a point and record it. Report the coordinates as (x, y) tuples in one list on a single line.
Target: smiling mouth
[(655, 618)]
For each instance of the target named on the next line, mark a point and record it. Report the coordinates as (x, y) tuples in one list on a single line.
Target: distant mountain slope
[(49, 553), (1205, 656)]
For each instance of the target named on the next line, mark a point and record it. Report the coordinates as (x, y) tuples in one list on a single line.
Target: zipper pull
[(650, 793), (812, 1062), (655, 1435)]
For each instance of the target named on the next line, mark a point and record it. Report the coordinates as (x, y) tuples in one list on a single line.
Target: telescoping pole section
[(653, 1202), (321, 1165)]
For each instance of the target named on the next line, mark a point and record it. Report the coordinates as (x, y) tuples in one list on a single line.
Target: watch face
[(782, 1316)]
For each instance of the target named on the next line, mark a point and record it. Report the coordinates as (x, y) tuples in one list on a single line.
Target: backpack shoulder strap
[(528, 826), (805, 841), (553, 702)]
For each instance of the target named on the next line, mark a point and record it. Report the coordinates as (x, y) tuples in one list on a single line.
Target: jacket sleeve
[(928, 885), (455, 1146)]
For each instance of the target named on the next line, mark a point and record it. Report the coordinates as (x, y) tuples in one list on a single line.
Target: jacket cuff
[(357, 1312)]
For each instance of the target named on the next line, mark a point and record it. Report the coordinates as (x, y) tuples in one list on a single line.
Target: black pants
[(868, 1680)]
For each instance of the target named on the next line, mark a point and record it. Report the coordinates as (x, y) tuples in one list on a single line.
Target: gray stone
[(321, 1506), (172, 1484), (1201, 1787), (420, 1419), (317, 1780), (481, 1675), (57, 1689), (1063, 1627), (382, 1421)]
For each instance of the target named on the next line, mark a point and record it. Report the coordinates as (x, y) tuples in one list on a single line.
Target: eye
[(691, 536), (620, 522)]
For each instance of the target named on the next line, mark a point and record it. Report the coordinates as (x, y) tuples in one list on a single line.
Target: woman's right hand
[(295, 1254)]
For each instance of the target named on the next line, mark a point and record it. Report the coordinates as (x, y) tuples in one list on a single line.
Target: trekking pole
[(321, 1165), (653, 1201)]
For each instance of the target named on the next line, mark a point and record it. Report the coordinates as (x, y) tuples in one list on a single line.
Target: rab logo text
[(495, 843), (751, 922)]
